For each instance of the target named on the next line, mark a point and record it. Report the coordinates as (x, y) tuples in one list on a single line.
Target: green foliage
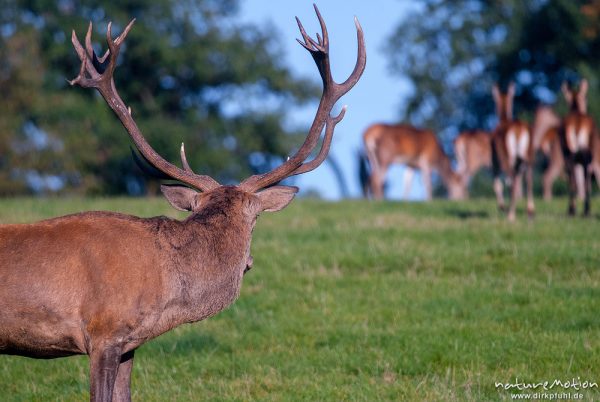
[(453, 51), (190, 72), (367, 301)]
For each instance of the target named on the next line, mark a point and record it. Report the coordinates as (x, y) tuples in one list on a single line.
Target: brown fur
[(579, 139), (97, 281), (416, 148), (545, 137), (546, 127), (473, 152), (513, 161)]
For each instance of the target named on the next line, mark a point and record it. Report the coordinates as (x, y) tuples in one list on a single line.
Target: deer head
[(504, 102), (576, 99), (198, 192)]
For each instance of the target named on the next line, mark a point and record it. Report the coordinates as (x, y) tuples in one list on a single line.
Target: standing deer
[(417, 149), (546, 125), (473, 152), (512, 153), (102, 283), (545, 138), (578, 137)]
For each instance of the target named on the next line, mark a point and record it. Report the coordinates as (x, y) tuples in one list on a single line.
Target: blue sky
[(376, 98)]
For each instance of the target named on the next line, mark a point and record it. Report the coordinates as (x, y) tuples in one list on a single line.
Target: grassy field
[(367, 301)]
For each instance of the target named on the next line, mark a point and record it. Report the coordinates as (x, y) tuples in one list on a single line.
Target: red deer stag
[(512, 153), (102, 284), (578, 137), (417, 149), (473, 152)]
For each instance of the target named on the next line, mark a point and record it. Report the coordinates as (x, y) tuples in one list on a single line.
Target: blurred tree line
[(190, 72), (454, 50)]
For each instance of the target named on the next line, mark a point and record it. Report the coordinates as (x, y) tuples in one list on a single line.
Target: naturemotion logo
[(575, 384)]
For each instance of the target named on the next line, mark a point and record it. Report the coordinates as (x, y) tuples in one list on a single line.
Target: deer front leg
[(426, 177), (104, 364), (122, 389)]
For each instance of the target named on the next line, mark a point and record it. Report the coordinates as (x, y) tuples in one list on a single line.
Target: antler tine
[(88, 41), (98, 73), (332, 92), (325, 41), (121, 38), (309, 43), (86, 69), (184, 162), (113, 48), (99, 63), (361, 61)]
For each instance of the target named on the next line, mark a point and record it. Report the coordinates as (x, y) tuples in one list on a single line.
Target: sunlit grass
[(367, 301)]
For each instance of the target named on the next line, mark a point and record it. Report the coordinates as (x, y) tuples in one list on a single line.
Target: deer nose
[(249, 263)]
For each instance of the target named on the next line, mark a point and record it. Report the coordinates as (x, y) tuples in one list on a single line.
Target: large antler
[(98, 73), (332, 92)]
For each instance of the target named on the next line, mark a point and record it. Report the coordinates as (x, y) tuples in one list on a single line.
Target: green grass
[(365, 301)]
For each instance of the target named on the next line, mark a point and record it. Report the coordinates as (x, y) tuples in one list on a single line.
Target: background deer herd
[(570, 144)]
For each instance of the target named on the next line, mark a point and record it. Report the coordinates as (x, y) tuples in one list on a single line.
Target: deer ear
[(583, 87), (566, 92), (496, 93), (180, 197), (276, 198), (511, 90)]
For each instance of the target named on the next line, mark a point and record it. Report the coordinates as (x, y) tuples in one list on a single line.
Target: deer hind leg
[(529, 184), (498, 186), (519, 191), (377, 182), (122, 389), (517, 181), (550, 175), (595, 163), (580, 181), (499, 190), (572, 186), (595, 170), (104, 364), (587, 172)]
